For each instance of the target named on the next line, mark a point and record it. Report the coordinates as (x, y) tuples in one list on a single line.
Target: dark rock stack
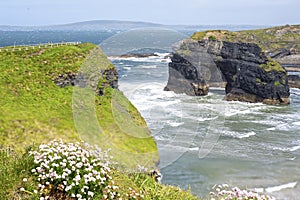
[(249, 74)]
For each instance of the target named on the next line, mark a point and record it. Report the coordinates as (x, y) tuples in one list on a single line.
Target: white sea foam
[(276, 188), (194, 149), (148, 67), (296, 123), (292, 159), (239, 135), (135, 59), (286, 149), (175, 124), (247, 135), (281, 187), (295, 148), (127, 68)]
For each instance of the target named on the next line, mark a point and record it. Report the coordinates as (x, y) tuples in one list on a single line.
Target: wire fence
[(36, 46)]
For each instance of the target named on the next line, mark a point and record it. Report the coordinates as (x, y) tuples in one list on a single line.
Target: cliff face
[(249, 75), (280, 43)]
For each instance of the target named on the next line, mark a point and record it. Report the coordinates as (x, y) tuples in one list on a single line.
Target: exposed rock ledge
[(250, 75)]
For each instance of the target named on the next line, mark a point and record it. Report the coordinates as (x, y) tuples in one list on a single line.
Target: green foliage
[(272, 66), (277, 83), (223, 35), (258, 80), (154, 190), (212, 37), (22, 177), (14, 167)]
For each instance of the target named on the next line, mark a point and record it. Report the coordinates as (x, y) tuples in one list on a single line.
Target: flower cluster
[(224, 192), (74, 168), (134, 194)]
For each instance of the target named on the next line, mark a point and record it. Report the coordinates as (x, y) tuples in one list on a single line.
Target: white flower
[(24, 179), (22, 189), (90, 193)]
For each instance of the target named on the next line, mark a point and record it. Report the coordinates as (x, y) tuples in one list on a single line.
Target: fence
[(34, 46)]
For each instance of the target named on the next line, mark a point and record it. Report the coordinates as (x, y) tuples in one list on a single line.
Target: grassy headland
[(268, 38), (35, 110)]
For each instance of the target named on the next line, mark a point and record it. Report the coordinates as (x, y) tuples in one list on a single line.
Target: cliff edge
[(70, 92)]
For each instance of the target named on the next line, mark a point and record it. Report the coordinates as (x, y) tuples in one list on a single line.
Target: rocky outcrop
[(249, 75), (109, 78)]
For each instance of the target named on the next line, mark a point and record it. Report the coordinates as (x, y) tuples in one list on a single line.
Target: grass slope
[(35, 110), (268, 39)]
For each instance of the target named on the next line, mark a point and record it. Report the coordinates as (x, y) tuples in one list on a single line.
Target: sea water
[(204, 141)]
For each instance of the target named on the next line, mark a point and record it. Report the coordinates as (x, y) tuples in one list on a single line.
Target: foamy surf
[(296, 123), (175, 124), (281, 187), (290, 149), (148, 66), (239, 135), (276, 188)]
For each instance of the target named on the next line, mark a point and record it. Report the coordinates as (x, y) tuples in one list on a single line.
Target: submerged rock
[(249, 74)]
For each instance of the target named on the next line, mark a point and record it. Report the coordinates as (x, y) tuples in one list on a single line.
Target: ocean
[(202, 141)]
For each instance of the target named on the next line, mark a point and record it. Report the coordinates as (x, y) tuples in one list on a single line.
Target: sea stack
[(249, 75)]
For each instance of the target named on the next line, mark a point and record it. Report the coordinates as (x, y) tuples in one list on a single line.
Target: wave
[(142, 59), (243, 108), (288, 149), (296, 123), (239, 135), (281, 187), (295, 148), (127, 68), (175, 124), (148, 67)]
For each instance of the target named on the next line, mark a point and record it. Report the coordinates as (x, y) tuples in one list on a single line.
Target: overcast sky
[(207, 12)]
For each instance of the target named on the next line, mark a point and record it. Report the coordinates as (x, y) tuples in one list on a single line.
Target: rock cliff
[(249, 74), (280, 43)]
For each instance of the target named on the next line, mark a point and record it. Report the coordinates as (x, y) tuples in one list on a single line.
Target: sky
[(184, 12)]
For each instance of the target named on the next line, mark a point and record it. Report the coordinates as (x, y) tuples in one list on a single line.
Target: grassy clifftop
[(35, 110), (268, 39)]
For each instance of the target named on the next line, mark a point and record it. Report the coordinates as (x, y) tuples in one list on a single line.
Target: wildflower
[(22, 189), (90, 193), (24, 179)]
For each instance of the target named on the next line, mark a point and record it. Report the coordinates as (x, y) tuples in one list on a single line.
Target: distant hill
[(101, 25), (84, 26)]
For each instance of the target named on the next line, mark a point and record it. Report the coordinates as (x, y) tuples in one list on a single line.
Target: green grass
[(15, 166), (268, 39), (35, 110), (272, 66)]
